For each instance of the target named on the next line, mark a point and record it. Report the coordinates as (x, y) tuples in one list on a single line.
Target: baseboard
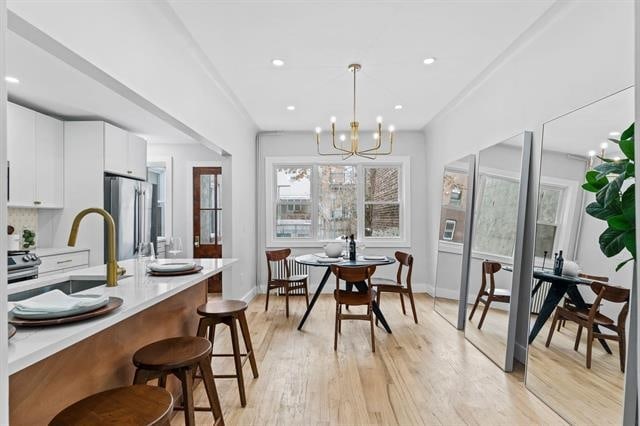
[(251, 294)]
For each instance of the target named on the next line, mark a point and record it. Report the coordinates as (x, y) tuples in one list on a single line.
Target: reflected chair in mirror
[(288, 282), (492, 294), (588, 318), (568, 304), (348, 298), (390, 286)]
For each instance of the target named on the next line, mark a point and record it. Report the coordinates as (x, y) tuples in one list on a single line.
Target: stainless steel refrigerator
[(132, 205)]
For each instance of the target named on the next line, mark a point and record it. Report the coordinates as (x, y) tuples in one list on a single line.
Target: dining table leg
[(323, 282), (363, 288), (554, 296)]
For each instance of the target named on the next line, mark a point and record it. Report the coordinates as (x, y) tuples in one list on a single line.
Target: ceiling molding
[(554, 11)]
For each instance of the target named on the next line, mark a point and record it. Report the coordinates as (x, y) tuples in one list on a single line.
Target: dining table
[(561, 285), (320, 260)]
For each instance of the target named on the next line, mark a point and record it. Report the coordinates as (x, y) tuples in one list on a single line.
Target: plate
[(374, 257), (195, 270), (329, 259), (12, 331), (172, 267), (53, 315), (113, 304)]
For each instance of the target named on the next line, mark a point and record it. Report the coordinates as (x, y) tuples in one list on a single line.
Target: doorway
[(207, 218)]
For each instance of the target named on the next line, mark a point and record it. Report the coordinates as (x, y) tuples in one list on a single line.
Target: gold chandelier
[(354, 149)]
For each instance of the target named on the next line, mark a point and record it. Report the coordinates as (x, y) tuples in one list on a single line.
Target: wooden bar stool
[(129, 405), (180, 356), (228, 312)]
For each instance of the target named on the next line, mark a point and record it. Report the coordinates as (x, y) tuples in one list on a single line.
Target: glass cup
[(175, 246)]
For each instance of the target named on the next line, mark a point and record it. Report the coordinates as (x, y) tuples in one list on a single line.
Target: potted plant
[(613, 182)]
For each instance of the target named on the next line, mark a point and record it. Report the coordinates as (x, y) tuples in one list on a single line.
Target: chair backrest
[(594, 277), (353, 275), (489, 268), (404, 259), (610, 293), (279, 255)]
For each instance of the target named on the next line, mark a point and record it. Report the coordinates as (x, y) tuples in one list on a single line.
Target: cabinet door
[(137, 158), (21, 155), (49, 162), (115, 150)]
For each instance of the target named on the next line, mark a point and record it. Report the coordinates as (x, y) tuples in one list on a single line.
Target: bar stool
[(180, 356), (129, 405), (227, 312)]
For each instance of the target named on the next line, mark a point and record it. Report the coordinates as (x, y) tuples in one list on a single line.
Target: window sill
[(321, 244)]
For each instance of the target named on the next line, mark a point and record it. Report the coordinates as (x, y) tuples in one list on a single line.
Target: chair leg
[(186, 380), (484, 312), (141, 377), (551, 329), (404, 311), (475, 306), (378, 302), (413, 307), (266, 306), (244, 327), (335, 334), (589, 345), (202, 328), (286, 300), (622, 348), (373, 339), (340, 319), (578, 337), (237, 360)]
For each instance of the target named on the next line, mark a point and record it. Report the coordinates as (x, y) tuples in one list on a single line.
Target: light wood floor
[(421, 374)]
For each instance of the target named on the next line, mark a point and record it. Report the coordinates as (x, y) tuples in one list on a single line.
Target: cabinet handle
[(59, 262), (37, 203), (129, 171)]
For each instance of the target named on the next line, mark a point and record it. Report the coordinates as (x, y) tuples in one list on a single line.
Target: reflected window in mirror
[(454, 205)]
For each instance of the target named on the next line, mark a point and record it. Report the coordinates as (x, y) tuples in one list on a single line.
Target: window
[(325, 201), (548, 221), (449, 230), (454, 204)]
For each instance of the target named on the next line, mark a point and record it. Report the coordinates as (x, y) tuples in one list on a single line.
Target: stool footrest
[(181, 408), (227, 355)]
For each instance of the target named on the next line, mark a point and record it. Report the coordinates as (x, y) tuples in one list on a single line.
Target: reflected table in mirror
[(314, 261)]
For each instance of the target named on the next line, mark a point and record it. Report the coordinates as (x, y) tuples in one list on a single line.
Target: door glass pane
[(336, 202), (207, 226), (207, 191), (382, 220), (219, 225), (381, 184), (219, 191)]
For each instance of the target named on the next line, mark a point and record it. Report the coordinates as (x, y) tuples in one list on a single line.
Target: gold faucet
[(113, 270)]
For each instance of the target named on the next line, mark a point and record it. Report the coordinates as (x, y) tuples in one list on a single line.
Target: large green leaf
[(611, 242), (626, 146), (612, 196), (630, 171), (620, 223), (605, 169), (629, 203), (592, 178), (599, 212), (621, 264), (630, 242), (628, 134)]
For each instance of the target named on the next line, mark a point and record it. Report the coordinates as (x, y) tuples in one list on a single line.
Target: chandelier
[(353, 148)]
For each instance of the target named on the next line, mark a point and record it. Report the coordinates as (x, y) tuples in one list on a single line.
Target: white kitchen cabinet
[(35, 151), (124, 153), (62, 262)]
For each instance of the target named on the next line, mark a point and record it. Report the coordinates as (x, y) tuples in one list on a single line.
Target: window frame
[(403, 163)]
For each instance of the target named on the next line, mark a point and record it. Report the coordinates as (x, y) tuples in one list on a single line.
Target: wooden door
[(207, 218)]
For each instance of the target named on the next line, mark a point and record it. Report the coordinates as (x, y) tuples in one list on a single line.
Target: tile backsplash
[(23, 218)]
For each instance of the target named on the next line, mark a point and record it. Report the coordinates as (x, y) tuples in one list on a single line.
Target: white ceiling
[(317, 40), (54, 87), (586, 128)]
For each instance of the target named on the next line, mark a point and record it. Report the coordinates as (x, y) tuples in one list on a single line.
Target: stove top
[(22, 259)]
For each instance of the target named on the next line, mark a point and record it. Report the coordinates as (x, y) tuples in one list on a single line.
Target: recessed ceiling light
[(277, 62), (291, 107), (429, 61), (12, 80), (397, 107)]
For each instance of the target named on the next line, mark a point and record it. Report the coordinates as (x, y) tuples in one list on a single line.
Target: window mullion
[(360, 176)]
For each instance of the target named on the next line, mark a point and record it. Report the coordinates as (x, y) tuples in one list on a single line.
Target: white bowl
[(333, 249)]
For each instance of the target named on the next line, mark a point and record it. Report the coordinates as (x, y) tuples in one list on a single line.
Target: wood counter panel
[(100, 362)]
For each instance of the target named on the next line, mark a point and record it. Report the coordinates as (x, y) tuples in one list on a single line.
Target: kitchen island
[(52, 367)]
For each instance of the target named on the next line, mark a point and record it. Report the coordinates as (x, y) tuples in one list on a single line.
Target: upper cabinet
[(124, 153), (35, 151)]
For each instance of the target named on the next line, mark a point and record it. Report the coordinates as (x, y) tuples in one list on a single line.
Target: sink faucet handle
[(121, 271)]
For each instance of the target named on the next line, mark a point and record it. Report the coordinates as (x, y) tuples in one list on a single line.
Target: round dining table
[(319, 260)]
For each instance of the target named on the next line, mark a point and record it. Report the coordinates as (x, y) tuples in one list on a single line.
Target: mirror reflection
[(580, 300), (457, 191), (495, 229)]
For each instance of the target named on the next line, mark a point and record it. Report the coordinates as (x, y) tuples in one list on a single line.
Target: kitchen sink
[(67, 287)]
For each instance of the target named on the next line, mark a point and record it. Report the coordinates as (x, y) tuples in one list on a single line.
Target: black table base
[(361, 286)]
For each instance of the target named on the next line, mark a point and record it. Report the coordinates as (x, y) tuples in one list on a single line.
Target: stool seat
[(222, 308), (172, 353), (128, 406)]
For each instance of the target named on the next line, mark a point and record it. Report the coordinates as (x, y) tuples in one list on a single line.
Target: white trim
[(251, 294), (404, 191), (167, 163)]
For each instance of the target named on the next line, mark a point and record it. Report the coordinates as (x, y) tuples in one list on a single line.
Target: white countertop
[(31, 345), (52, 251)]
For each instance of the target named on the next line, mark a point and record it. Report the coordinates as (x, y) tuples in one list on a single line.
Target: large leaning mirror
[(498, 227), (455, 229), (572, 367)]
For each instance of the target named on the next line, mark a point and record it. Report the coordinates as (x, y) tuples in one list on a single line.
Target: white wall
[(141, 45), (575, 54), (302, 144)]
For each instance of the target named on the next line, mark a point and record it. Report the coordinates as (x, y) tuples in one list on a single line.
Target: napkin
[(371, 257), (56, 301)]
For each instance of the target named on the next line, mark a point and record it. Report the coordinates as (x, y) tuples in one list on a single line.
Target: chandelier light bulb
[(616, 158), (318, 130), (333, 119), (604, 145), (592, 153), (379, 119), (375, 136), (614, 134), (392, 128), (343, 137)]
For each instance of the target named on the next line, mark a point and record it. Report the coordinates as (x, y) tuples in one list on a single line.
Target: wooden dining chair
[(492, 294), (567, 303), (390, 286), (287, 282), (587, 318), (349, 298)]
